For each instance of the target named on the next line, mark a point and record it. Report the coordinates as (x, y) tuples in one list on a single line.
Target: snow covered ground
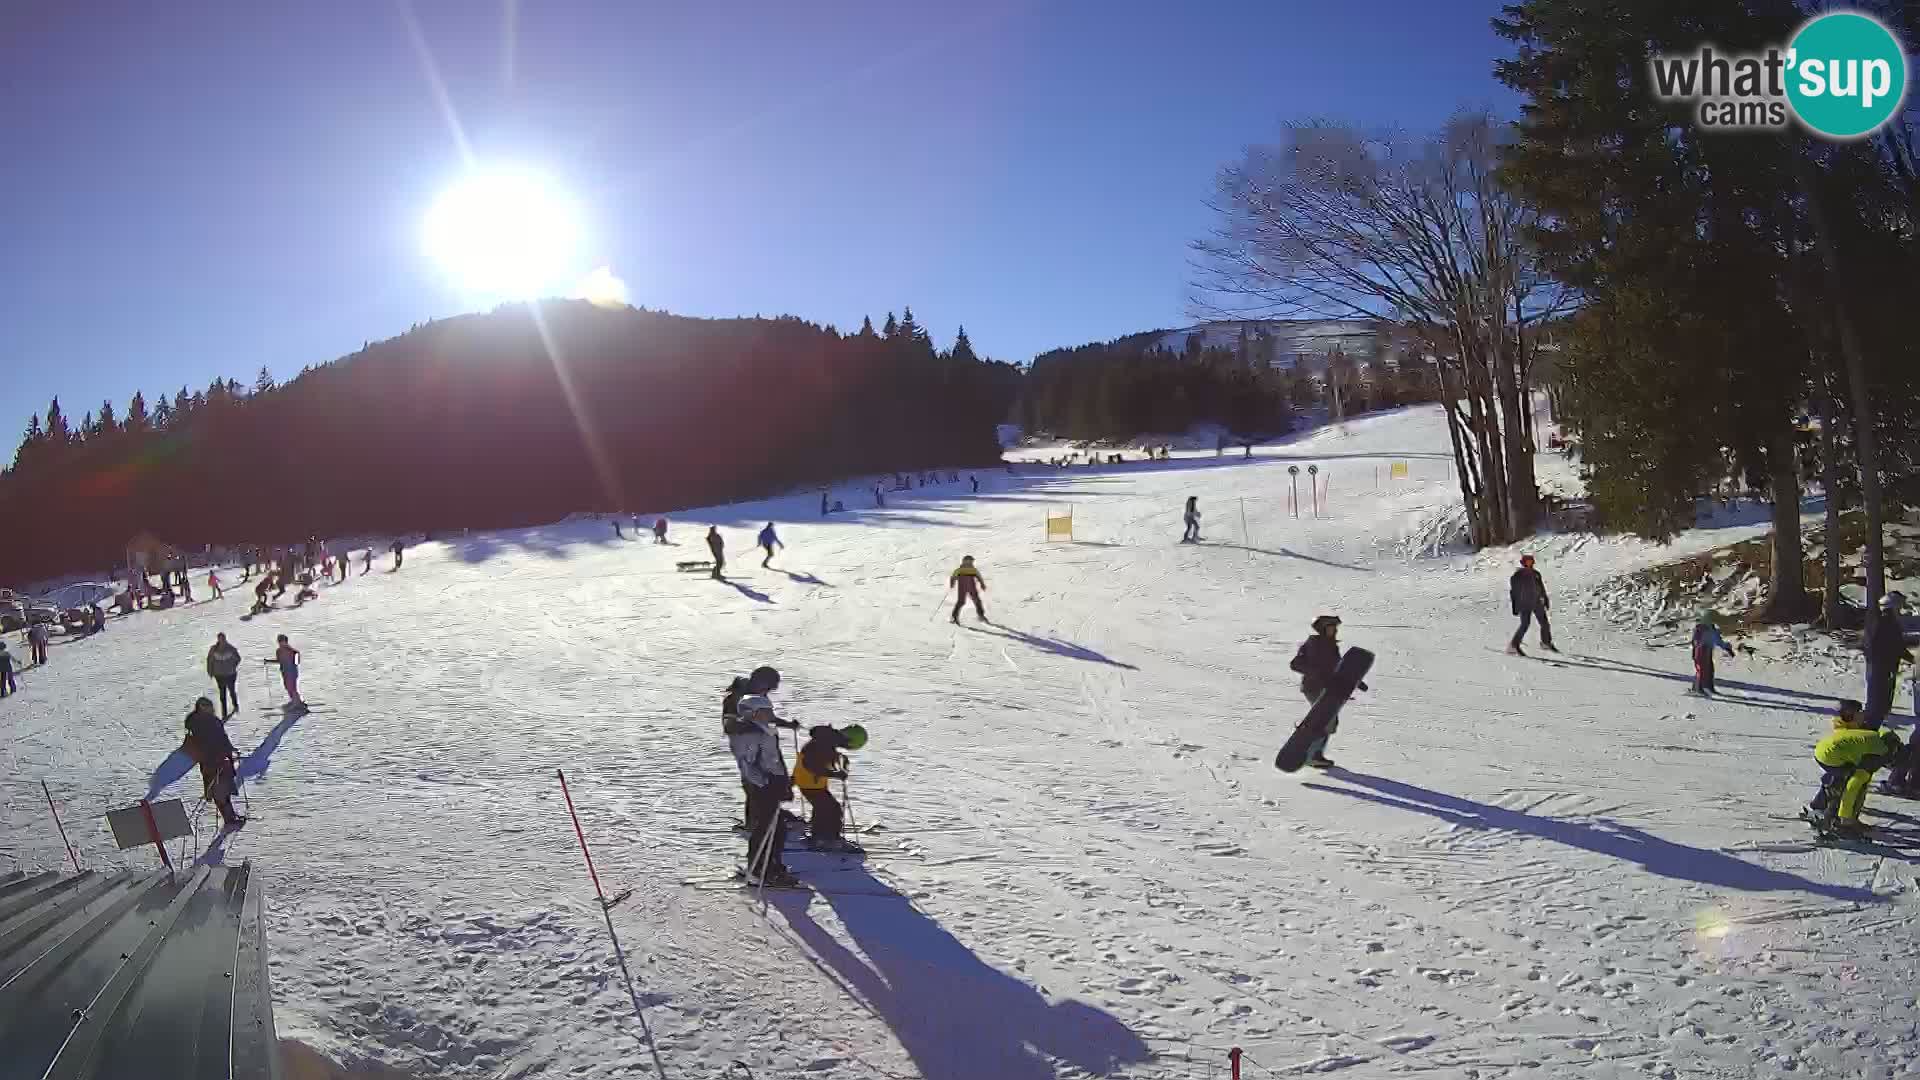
[(1089, 864)]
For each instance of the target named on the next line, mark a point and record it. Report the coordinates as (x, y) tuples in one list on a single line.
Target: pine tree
[(87, 428), (57, 434), (163, 416), (109, 424), (32, 442), (891, 329), (182, 404), (866, 327), (963, 349), (263, 382), (138, 422)]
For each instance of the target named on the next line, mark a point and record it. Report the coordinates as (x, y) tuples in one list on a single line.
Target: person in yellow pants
[(1848, 758)]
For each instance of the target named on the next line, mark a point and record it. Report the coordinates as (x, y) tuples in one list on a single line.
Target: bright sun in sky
[(504, 233)]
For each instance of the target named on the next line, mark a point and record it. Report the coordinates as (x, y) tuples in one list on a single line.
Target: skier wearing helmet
[(1706, 638), (763, 681), (821, 762), (1886, 651), (1316, 661), (1530, 602), (966, 578), (763, 770)]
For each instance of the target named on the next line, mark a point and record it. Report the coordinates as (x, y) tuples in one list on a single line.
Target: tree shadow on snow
[(1050, 645), (1289, 553), (957, 1016), (1627, 667), (1666, 858)]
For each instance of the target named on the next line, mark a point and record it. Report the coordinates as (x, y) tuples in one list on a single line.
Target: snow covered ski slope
[(1522, 867)]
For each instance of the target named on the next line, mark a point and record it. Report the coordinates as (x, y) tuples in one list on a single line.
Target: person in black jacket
[(207, 743), (719, 548), (1316, 661), (1530, 602)]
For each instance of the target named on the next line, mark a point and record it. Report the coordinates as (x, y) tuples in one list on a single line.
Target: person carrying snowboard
[(288, 658), (756, 749), (820, 762), (1529, 594), (1316, 660), (966, 578), (223, 667), (207, 744), (1706, 638), (1886, 651), (718, 547), (1847, 760), (1192, 535), (769, 540)]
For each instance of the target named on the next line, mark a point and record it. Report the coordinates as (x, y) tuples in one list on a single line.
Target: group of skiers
[(206, 740), (752, 727)]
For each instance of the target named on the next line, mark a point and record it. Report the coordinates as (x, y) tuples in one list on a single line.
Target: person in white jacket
[(763, 769)]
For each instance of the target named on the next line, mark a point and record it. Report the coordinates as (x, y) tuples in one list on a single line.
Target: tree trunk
[(1830, 480), (1787, 592), (1523, 496), (1850, 350)]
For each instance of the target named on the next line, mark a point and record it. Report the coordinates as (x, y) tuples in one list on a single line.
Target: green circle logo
[(1846, 76)]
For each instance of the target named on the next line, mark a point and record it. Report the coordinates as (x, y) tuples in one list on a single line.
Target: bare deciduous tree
[(1335, 223)]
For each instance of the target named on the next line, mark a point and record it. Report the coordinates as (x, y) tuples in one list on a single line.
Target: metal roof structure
[(116, 976)]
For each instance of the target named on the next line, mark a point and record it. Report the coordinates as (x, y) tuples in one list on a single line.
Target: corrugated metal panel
[(118, 976)]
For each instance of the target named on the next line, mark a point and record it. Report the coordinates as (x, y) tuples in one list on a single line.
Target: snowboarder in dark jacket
[(1530, 602), (1316, 661)]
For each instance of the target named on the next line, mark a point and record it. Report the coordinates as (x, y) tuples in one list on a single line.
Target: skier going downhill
[(756, 749), (1316, 660), (1529, 594), (1706, 638), (966, 578), (769, 540), (288, 659)]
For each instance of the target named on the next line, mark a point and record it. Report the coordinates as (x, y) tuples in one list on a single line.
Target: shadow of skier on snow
[(804, 579), (957, 1016), (1628, 667), (1666, 858), (748, 591), (1049, 645), (1289, 553), (255, 764)]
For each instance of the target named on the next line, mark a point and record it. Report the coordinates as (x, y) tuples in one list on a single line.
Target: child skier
[(718, 547), (819, 764), (213, 583), (1706, 638), (768, 540), (756, 749), (1316, 660), (288, 658), (1847, 760), (763, 681), (966, 578), (1192, 535), (1528, 592)]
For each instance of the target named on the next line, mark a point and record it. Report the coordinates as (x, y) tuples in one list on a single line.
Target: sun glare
[(504, 233)]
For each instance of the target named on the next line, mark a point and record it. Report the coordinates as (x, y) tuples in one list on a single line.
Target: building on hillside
[(1303, 345)]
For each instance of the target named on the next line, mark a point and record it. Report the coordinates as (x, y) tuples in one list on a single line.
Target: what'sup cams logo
[(1843, 75)]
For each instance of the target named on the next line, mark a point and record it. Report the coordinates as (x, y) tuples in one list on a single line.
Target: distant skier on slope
[(660, 530), (1192, 518), (617, 534), (213, 583), (1706, 638), (223, 667), (1847, 760), (288, 659), (718, 547), (976, 484), (399, 549), (769, 540), (1528, 592), (967, 579), (1316, 660), (756, 749)]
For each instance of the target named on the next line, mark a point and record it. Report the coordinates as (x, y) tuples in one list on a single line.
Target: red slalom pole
[(75, 859), (582, 837), (1233, 1058)]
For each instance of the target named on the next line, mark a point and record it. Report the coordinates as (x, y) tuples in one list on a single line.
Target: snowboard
[(1326, 708), (691, 565)]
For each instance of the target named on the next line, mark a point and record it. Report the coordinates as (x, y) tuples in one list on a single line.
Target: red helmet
[(1526, 560)]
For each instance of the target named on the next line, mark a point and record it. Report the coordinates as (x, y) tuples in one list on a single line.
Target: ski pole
[(846, 796)]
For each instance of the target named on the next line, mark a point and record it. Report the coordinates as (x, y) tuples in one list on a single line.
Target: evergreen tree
[(866, 327), (163, 416), (109, 424), (138, 422), (32, 442), (891, 329), (57, 434), (963, 349), (263, 382)]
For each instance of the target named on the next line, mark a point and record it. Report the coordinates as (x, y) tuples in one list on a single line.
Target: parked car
[(13, 614)]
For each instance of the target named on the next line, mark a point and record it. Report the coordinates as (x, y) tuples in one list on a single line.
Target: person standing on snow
[(718, 547), (769, 541), (820, 762), (207, 744), (37, 643), (617, 534), (1192, 517), (763, 770), (399, 550), (967, 579), (288, 658), (823, 504), (1529, 594), (1886, 651), (1706, 638), (976, 484), (213, 583), (223, 667), (7, 683), (659, 530), (1316, 660)]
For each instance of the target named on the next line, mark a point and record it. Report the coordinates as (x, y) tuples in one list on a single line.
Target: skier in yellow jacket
[(966, 578), (1848, 758)]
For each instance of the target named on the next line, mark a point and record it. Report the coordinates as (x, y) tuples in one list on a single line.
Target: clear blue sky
[(196, 189)]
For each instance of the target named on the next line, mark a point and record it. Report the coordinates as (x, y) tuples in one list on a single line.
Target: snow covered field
[(1089, 865)]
